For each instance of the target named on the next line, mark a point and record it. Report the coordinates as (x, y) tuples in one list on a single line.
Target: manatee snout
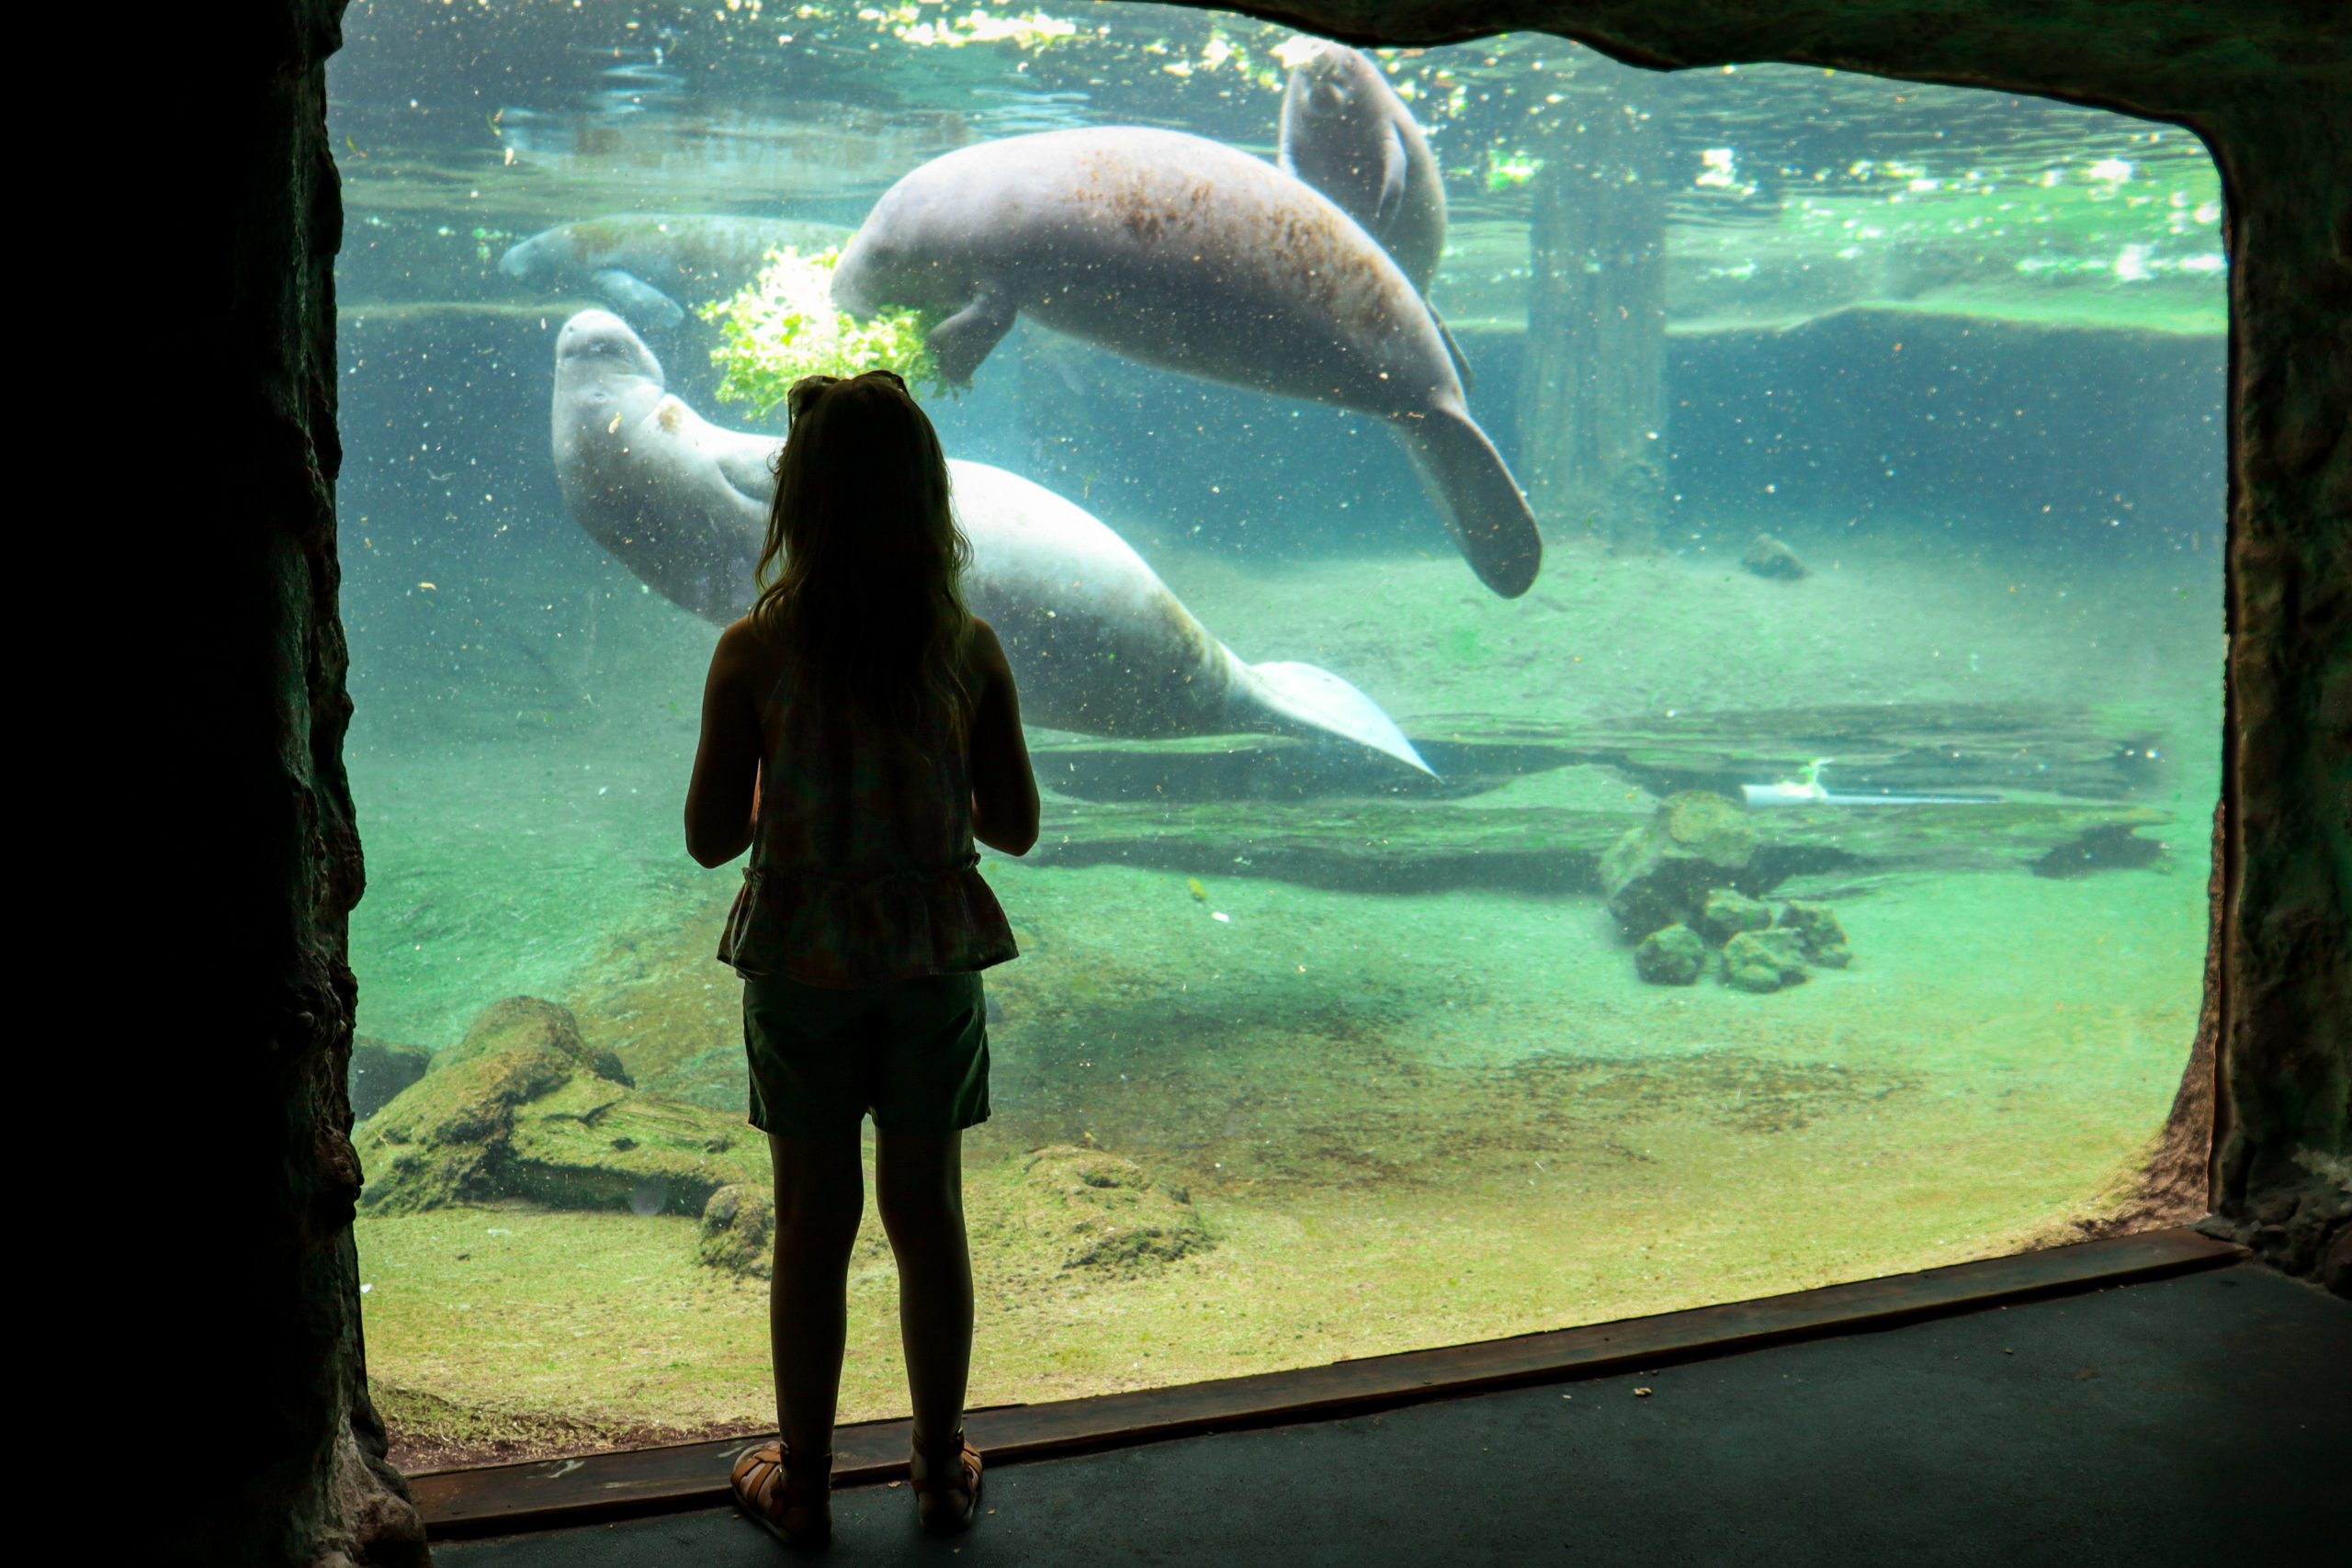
[(861, 274), (897, 265), (1328, 87), (601, 340), (1324, 69), (522, 259)]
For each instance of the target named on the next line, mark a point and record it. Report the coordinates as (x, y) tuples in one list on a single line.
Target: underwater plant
[(782, 326)]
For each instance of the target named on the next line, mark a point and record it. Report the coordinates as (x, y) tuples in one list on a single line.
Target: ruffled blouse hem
[(844, 932)]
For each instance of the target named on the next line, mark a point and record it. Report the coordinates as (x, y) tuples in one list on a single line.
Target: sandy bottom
[(1405, 1119)]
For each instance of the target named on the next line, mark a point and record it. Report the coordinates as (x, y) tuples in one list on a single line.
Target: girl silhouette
[(860, 730)]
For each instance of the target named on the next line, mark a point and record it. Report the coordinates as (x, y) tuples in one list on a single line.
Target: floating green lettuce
[(783, 326)]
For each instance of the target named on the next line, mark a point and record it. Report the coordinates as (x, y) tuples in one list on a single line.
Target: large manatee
[(1096, 640), (641, 263), (1183, 253)]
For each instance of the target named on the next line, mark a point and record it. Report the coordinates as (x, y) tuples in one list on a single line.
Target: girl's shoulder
[(748, 655), (982, 651)]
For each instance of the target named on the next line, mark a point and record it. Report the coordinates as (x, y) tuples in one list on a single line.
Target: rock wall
[(270, 1368), (2283, 1156), (257, 1395)]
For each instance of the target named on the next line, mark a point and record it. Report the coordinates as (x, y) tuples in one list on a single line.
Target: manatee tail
[(1314, 698), (1476, 496)]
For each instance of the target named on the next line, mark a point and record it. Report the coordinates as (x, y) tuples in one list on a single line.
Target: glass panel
[(1874, 431)]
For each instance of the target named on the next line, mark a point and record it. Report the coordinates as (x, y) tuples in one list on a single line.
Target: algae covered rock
[(525, 1113), (1708, 826), (1767, 557), (1726, 913), (527, 1024), (1658, 873), (1675, 957), (1818, 933), (737, 1231), (1099, 1211), (1764, 960), (379, 1070)]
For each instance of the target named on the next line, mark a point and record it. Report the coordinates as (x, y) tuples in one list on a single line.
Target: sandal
[(775, 1488), (935, 1499)]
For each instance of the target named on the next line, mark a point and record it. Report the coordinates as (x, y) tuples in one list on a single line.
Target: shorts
[(915, 1054)]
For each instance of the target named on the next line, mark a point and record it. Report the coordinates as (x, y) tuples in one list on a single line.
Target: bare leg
[(819, 1193), (918, 1186)]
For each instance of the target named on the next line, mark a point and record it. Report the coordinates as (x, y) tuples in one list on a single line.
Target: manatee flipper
[(637, 300), (747, 463), (1482, 504), (1394, 172), (1453, 350), (959, 344), (1316, 699)]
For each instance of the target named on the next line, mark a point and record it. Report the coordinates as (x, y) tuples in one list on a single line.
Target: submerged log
[(1901, 748), (1400, 846), (1592, 394), (1286, 808)]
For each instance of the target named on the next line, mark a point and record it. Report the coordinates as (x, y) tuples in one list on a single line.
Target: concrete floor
[(2206, 1419)]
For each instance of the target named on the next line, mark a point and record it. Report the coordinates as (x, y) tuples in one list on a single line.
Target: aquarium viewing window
[(1798, 876)]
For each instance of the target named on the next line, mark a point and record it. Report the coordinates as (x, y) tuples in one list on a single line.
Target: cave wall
[(259, 1394), (272, 1361), (2283, 1159)]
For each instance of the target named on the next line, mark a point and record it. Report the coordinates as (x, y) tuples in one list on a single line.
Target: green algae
[(524, 1108)]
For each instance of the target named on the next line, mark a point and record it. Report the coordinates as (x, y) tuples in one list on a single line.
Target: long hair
[(861, 574)]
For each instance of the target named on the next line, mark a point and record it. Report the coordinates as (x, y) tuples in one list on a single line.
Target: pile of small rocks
[(1674, 886), (1760, 952)]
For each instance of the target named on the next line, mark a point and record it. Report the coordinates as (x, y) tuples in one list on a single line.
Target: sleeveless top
[(862, 869)]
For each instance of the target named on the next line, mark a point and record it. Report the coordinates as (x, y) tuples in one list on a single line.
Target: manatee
[(1096, 640), (640, 262), (1186, 253), (1347, 134)]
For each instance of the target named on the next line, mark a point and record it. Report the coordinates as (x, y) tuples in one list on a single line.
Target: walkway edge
[(546, 1493)]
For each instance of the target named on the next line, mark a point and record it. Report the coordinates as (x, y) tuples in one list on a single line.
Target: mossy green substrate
[(1408, 1120)]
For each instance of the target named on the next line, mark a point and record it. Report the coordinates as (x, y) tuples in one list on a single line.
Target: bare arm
[(1004, 790), (723, 799)]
